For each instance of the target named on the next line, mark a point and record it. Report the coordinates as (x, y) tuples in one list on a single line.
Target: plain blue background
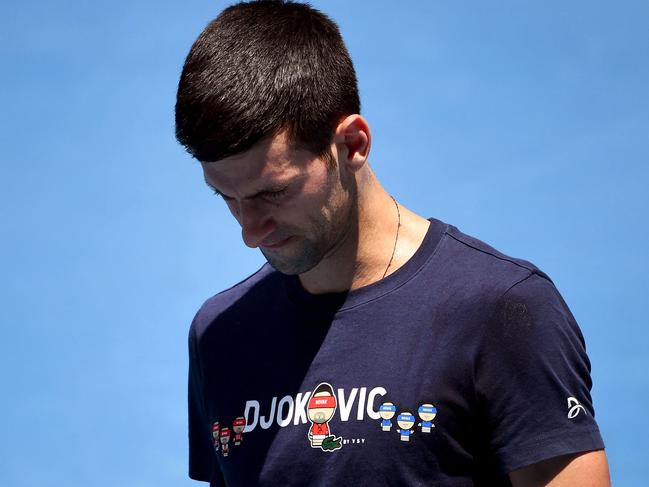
[(525, 124)]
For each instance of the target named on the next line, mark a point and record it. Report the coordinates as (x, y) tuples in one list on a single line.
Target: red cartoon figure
[(320, 410), (225, 439), (238, 425), (215, 435)]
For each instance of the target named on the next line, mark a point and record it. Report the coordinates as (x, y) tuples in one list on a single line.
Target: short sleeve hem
[(563, 442)]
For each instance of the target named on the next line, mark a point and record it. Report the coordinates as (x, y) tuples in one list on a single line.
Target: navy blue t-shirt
[(461, 366)]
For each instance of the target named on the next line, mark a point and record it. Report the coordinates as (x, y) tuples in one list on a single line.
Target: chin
[(289, 268), (294, 265)]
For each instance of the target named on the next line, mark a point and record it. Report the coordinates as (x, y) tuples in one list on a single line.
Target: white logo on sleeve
[(574, 408)]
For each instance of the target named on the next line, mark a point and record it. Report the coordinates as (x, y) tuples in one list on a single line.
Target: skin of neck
[(363, 250), (361, 256)]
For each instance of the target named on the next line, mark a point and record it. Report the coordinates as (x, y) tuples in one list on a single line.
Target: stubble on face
[(327, 231)]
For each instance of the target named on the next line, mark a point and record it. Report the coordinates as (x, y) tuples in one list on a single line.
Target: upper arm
[(587, 469), (532, 379)]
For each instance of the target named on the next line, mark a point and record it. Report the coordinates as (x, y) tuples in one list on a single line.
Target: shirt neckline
[(348, 299)]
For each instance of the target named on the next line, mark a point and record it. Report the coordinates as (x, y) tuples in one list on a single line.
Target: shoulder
[(484, 256), (478, 272), (515, 290), (252, 288)]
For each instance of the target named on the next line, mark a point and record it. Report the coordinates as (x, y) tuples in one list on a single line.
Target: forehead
[(271, 160)]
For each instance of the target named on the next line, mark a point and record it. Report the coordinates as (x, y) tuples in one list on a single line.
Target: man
[(360, 294)]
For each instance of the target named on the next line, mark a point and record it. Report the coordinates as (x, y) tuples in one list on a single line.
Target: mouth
[(276, 245)]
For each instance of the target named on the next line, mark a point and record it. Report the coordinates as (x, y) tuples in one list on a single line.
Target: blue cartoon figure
[(405, 421), (427, 413), (387, 411)]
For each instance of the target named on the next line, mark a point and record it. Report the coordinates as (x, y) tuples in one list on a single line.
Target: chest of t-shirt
[(360, 399)]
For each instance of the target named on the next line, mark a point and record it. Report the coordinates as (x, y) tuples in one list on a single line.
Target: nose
[(256, 224)]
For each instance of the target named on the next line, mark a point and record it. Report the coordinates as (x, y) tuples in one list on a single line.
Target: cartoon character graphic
[(238, 425), (225, 439), (427, 413), (215, 435), (320, 410), (387, 411), (405, 421)]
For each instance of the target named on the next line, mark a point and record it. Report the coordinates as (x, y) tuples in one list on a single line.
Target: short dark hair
[(259, 68)]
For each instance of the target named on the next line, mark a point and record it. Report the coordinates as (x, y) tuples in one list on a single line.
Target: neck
[(363, 253)]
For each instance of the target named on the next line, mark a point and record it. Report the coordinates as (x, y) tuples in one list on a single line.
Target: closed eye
[(269, 195), (218, 193), (274, 195)]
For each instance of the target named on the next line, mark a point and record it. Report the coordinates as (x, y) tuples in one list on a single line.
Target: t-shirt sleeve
[(532, 379), (202, 462)]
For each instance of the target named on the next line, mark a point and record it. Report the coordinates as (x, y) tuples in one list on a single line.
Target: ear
[(353, 140)]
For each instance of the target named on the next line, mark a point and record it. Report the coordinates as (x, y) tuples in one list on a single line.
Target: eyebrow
[(277, 187)]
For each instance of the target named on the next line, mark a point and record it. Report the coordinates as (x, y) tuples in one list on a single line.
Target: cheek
[(322, 196), (322, 184)]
